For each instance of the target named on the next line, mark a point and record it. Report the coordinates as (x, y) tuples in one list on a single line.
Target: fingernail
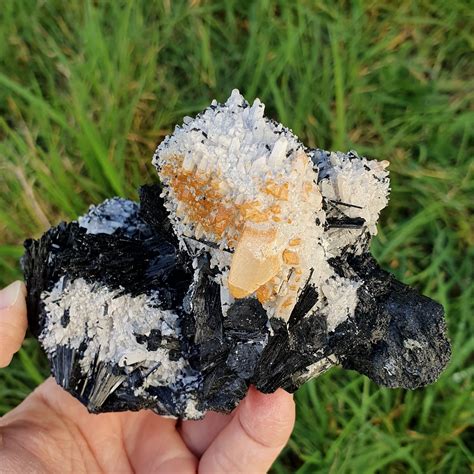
[(9, 295)]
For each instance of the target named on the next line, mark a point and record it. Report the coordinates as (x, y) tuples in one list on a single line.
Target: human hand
[(52, 432)]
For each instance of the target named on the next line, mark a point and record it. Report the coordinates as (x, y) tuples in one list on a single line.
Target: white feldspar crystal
[(110, 215), (318, 368), (341, 299), (359, 182), (244, 189), (110, 322)]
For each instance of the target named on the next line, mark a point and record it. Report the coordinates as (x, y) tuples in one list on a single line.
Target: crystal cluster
[(250, 265)]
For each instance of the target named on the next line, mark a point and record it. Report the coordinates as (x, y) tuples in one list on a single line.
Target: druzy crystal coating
[(249, 264)]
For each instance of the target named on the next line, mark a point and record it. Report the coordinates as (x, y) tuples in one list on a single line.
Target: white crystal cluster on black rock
[(250, 265)]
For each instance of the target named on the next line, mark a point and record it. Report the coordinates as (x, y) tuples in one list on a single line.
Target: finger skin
[(124, 442), (13, 324), (253, 439), (155, 446), (199, 434)]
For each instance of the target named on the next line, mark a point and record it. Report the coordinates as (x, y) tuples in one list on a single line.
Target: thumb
[(251, 442), (13, 320)]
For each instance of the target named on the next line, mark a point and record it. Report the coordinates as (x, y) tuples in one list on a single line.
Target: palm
[(52, 432), (51, 429)]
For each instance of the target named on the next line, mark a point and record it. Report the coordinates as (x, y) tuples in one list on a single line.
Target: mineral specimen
[(250, 265)]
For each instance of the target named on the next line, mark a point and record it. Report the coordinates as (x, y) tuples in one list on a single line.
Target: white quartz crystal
[(245, 189)]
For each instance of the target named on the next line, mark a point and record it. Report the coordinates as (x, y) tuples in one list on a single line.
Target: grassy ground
[(87, 89)]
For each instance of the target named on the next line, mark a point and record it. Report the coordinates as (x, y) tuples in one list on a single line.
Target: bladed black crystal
[(396, 336)]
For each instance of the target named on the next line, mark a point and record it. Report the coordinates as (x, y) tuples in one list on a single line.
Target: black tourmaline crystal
[(213, 282), (397, 337)]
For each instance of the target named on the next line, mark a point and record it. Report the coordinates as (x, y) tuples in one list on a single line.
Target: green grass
[(87, 89)]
